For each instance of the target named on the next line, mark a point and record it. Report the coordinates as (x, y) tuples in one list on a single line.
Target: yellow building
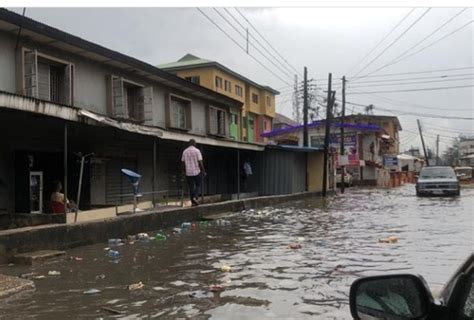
[(258, 101)]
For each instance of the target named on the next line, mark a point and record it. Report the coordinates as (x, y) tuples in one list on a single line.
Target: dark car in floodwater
[(407, 296), (437, 181)]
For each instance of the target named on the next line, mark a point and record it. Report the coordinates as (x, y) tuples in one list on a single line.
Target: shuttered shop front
[(118, 187)]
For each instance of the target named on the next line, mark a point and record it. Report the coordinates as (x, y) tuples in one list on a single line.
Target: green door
[(234, 127), (251, 128)]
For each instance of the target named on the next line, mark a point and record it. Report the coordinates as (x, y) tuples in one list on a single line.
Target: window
[(218, 82), (227, 86), (234, 118), (251, 123), (179, 113), (217, 121), (130, 100), (46, 77), (269, 101), (238, 90), (254, 98), (194, 79)]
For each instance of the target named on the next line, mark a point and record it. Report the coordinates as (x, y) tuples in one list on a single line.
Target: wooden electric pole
[(343, 113), (305, 108), (423, 143), (326, 135), (437, 150)]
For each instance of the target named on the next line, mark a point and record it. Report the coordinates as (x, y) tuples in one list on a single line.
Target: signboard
[(350, 147), (390, 161)]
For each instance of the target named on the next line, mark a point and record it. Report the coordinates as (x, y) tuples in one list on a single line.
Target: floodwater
[(339, 243)]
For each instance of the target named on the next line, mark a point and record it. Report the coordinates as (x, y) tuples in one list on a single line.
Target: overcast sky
[(323, 39)]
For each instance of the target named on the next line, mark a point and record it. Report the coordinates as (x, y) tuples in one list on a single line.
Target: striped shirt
[(191, 157)]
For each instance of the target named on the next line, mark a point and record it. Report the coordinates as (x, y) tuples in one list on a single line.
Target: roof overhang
[(46, 108), (43, 34)]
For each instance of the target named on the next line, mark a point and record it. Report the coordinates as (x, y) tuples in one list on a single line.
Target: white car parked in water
[(437, 181)]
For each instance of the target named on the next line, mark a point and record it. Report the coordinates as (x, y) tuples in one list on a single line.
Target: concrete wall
[(315, 171), (7, 65), (90, 83)]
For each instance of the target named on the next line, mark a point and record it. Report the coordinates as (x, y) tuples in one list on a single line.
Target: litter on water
[(135, 286), (391, 239), (91, 291), (54, 273), (226, 268)]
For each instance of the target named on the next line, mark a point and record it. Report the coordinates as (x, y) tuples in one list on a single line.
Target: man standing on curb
[(193, 168)]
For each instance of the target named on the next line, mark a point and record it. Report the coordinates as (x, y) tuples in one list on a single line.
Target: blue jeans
[(194, 184)]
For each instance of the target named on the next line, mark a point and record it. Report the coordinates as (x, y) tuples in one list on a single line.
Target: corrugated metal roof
[(294, 148)]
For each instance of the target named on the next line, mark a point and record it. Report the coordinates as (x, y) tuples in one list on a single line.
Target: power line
[(418, 78), (432, 33), (258, 50), (416, 105), (233, 40), (404, 83), (422, 49), (267, 42), (258, 42), (425, 115), (383, 39), (394, 41), (419, 89), (416, 72)]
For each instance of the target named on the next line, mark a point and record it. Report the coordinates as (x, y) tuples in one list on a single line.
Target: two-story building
[(62, 97), (367, 139), (258, 111)]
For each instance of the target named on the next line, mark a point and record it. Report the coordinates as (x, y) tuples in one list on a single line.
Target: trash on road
[(216, 288), (75, 258), (391, 239), (111, 310), (27, 275), (135, 286), (143, 236), (295, 246), (186, 225), (54, 273), (160, 236), (226, 268), (91, 291), (113, 254), (114, 242)]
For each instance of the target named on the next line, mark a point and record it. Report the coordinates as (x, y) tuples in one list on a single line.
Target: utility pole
[(296, 103), (247, 41), (326, 136), (343, 113), (437, 150), (305, 108), (423, 143)]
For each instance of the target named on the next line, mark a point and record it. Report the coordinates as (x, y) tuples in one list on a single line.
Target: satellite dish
[(134, 178)]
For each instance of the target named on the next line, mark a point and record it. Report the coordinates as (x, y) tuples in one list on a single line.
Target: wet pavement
[(339, 242)]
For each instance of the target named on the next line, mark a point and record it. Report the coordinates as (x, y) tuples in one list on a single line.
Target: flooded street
[(339, 243)]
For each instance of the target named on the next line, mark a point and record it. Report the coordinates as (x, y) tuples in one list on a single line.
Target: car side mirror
[(397, 297)]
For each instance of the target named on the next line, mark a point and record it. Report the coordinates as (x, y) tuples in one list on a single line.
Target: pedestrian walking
[(247, 172), (193, 168)]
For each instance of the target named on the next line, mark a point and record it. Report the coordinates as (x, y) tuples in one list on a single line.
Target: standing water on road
[(248, 255)]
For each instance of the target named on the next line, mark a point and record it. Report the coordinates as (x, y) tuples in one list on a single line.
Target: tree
[(451, 155)]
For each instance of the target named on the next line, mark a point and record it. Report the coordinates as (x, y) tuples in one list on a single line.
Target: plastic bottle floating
[(295, 246), (391, 239), (186, 225), (160, 236), (113, 254), (216, 288), (226, 268)]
